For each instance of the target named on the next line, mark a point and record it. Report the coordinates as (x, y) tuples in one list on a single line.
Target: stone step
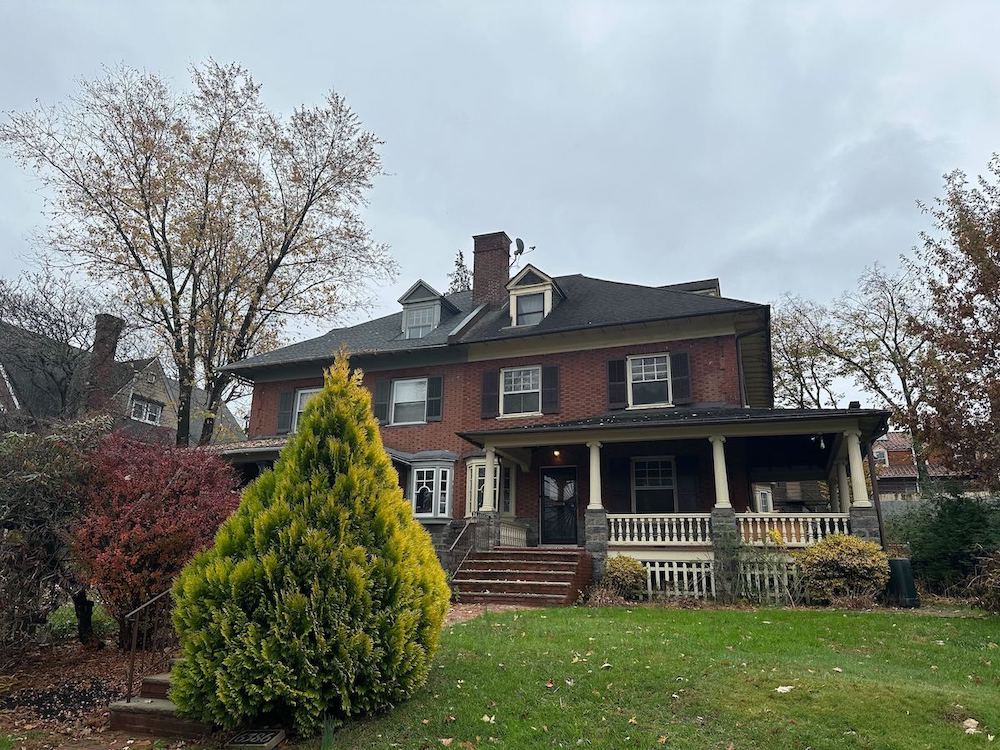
[(155, 686), (528, 553), (477, 586), (513, 574), (156, 716)]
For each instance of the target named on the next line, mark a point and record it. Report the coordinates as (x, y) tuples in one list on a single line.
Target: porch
[(662, 487)]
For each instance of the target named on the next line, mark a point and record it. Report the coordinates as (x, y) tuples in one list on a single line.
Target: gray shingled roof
[(588, 302)]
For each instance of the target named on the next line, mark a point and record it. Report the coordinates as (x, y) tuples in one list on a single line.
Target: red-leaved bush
[(149, 509)]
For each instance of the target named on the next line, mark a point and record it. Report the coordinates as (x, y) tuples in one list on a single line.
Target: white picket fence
[(797, 530), (771, 581), (679, 578), (660, 528)]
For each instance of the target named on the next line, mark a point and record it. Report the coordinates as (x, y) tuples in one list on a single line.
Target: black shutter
[(550, 389), (380, 400), (434, 398), (617, 387), (286, 402), (490, 395), (680, 378)]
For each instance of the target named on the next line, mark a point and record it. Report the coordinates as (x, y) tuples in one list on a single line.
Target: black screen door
[(558, 501)]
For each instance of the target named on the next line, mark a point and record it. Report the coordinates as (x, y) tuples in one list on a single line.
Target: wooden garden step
[(156, 716)]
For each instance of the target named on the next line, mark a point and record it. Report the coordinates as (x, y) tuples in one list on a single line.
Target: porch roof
[(688, 420)]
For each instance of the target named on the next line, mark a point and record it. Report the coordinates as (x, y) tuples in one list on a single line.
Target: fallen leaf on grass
[(784, 688)]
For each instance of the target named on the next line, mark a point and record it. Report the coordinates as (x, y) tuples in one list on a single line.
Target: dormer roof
[(421, 291), (532, 276)]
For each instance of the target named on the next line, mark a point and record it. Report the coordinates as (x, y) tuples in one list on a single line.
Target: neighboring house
[(896, 468), (578, 412), (43, 381)]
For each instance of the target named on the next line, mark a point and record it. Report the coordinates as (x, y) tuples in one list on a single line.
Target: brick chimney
[(490, 268), (107, 331)]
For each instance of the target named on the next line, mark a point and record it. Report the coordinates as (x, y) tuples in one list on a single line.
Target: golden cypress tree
[(322, 597)]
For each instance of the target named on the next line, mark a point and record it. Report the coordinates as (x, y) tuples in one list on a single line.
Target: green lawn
[(652, 678)]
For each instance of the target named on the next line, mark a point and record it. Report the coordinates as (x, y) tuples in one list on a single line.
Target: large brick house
[(577, 412)]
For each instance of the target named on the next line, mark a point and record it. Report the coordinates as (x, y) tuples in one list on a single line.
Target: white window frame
[(148, 405), (881, 456), (299, 393), (522, 291), (435, 318), (536, 413), (673, 463), (628, 378), (392, 400), (440, 506), (476, 467)]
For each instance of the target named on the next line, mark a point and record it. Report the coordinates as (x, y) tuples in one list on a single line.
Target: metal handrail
[(145, 614)]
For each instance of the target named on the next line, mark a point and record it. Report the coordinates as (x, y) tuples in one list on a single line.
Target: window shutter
[(434, 398), (286, 402), (490, 401), (617, 387), (550, 389), (380, 400), (680, 378)]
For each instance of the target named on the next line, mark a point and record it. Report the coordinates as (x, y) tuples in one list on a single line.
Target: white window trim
[(472, 467), (538, 413), (146, 403), (436, 317), (10, 390), (520, 291), (392, 401), (299, 392), (438, 468), (628, 380), (631, 473)]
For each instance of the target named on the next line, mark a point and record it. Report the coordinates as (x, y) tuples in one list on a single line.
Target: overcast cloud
[(779, 146)]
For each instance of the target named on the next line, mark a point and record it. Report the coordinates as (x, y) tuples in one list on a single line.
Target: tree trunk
[(216, 386), (185, 387), (84, 609)]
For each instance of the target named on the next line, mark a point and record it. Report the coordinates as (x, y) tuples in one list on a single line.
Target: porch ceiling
[(689, 422)]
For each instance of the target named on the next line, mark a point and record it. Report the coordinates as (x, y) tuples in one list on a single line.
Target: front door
[(558, 503)]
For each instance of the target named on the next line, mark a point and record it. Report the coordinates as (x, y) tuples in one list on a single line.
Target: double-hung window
[(503, 487), (654, 485), (144, 410), (409, 401), (419, 321), (430, 492), (530, 309), (521, 390), (649, 380), (302, 398)]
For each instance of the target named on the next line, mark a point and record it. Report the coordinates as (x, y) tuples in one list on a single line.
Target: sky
[(779, 146)]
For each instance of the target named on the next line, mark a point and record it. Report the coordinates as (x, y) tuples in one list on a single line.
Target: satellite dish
[(520, 246)]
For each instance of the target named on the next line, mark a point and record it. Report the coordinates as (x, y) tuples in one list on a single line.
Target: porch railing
[(797, 530), (660, 528), (513, 534)]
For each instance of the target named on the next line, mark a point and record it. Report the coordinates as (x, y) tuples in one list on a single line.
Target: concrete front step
[(156, 716)]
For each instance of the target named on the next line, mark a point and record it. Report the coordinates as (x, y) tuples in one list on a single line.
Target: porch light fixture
[(555, 453)]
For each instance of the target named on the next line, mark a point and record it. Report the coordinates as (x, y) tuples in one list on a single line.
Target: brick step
[(513, 574), (562, 588), (511, 563), (155, 686), (527, 600), (528, 553), (155, 716)]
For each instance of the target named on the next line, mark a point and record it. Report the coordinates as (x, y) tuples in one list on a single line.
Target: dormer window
[(419, 321), (532, 296), (423, 308), (529, 309)]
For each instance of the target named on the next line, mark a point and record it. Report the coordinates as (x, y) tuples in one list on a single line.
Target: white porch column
[(843, 487), (858, 487), (489, 502), (596, 502), (721, 477)]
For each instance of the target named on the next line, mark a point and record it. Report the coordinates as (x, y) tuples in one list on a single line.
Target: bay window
[(503, 486), (430, 490)]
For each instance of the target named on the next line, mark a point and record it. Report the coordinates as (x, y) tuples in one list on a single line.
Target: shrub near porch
[(687, 679)]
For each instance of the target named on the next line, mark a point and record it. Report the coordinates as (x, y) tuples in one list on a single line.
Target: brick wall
[(583, 393)]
